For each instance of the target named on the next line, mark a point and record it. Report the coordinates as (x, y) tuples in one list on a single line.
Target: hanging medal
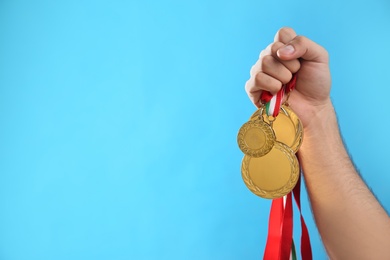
[(288, 127), (256, 137), (273, 175), (270, 169)]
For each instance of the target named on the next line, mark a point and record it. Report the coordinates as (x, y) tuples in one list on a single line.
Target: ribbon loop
[(274, 102)]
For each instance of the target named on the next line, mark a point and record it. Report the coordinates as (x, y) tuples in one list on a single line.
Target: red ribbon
[(305, 239), (273, 246), (266, 96), (287, 228), (279, 240), (280, 229), (291, 84)]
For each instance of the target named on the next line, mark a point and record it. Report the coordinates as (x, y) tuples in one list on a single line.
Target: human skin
[(351, 222)]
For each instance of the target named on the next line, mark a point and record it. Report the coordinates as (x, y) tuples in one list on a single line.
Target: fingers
[(280, 60), (299, 47), (302, 47), (271, 50), (261, 81), (285, 35), (274, 68), (270, 73)]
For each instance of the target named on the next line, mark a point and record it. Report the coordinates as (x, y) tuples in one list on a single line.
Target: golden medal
[(274, 174), (256, 137), (288, 127)]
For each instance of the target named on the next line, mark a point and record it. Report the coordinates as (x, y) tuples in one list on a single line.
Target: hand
[(290, 54)]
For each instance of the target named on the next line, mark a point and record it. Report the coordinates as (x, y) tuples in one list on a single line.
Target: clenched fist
[(288, 54)]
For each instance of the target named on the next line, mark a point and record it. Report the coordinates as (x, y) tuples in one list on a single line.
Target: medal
[(287, 127), (272, 175), (269, 141), (298, 129), (256, 137), (270, 169)]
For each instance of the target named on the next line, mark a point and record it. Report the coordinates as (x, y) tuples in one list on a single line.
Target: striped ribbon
[(293, 252), (274, 102), (272, 107)]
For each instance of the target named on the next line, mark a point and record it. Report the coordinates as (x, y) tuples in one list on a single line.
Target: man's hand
[(290, 54), (352, 223)]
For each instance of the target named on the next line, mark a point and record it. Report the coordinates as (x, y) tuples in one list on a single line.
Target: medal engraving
[(256, 138), (287, 127), (298, 126)]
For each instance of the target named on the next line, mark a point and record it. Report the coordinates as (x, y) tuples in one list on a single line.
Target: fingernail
[(287, 50)]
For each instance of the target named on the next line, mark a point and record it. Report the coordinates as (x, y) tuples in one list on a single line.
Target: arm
[(351, 222)]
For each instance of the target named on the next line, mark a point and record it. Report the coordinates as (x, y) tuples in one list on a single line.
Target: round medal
[(287, 127), (256, 138), (298, 128), (273, 175)]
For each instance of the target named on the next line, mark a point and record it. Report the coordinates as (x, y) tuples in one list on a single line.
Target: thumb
[(302, 47)]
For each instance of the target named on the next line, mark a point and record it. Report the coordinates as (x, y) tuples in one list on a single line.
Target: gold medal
[(296, 144), (256, 138), (272, 175), (287, 127)]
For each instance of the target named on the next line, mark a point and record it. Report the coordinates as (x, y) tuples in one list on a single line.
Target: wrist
[(322, 139), (322, 122)]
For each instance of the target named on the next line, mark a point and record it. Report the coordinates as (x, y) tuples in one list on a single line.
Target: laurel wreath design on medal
[(298, 125), (286, 110), (255, 115), (283, 190), (262, 127)]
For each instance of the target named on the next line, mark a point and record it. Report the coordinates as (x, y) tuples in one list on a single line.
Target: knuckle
[(295, 66), (275, 86), (292, 65), (275, 47), (300, 39), (286, 31), (285, 34), (259, 79), (286, 77), (267, 83), (267, 62)]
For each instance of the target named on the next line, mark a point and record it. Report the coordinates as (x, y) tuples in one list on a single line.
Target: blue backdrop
[(118, 121)]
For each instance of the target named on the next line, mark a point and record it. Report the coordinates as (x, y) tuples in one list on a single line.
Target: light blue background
[(118, 121)]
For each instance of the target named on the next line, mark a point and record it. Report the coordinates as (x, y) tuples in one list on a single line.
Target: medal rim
[(299, 131), (268, 132), (282, 191), (287, 111)]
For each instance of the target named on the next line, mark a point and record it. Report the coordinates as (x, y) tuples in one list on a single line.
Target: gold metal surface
[(256, 138), (298, 126), (272, 175), (287, 127)]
